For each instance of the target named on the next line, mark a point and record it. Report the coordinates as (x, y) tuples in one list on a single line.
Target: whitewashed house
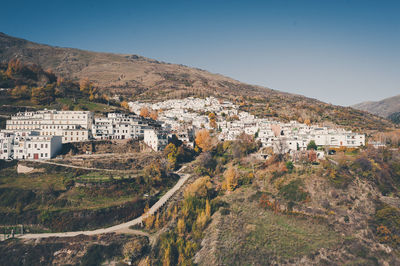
[(6, 145), (155, 139)]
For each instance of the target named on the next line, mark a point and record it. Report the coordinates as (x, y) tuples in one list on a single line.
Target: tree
[(181, 226), (211, 118), (201, 220), (43, 95), (231, 178), (167, 261), (157, 223), (85, 85), (204, 140), (199, 188), (14, 66), (125, 105), (144, 112), (171, 152), (21, 92), (154, 115), (289, 166), (148, 218), (208, 209), (311, 145), (154, 171)]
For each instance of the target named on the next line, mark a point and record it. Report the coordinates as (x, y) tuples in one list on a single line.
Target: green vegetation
[(293, 191), (312, 146), (53, 194), (387, 224), (395, 117), (32, 86)]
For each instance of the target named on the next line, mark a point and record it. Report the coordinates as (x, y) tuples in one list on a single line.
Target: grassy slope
[(252, 235)]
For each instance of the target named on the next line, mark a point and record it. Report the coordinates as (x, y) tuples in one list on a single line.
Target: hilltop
[(389, 107), (134, 77)]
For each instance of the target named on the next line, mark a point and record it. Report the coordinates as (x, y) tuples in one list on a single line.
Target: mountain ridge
[(135, 77), (383, 108)]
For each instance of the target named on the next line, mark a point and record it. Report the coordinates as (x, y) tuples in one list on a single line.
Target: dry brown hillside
[(382, 108), (137, 77)]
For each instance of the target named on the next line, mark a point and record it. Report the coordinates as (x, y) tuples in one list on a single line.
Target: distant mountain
[(389, 107), (137, 77)]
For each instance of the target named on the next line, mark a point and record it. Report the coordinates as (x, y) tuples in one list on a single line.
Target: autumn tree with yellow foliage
[(144, 112), (231, 178), (125, 105), (148, 219), (204, 140), (181, 226), (154, 115), (212, 119)]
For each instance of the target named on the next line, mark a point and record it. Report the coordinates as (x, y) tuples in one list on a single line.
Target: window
[(46, 145), (45, 154), (41, 155)]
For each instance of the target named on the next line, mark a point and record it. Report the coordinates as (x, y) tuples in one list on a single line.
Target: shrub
[(293, 191), (225, 211)]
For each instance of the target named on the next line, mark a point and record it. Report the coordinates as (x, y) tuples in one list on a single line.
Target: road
[(124, 227)]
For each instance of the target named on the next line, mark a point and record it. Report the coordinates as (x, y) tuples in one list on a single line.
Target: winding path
[(124, 227)]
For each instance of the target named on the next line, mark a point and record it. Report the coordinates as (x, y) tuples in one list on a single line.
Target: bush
[(293, 191), (289, 166), (225, 211), (362, 163)]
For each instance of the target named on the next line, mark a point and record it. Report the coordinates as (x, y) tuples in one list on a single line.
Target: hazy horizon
[(342, 52)]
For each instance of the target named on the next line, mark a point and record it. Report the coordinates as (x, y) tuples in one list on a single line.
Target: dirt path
[(81, 167), (124, 227), (102, 155)]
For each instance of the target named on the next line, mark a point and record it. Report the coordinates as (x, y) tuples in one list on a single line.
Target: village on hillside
[(39, 135)]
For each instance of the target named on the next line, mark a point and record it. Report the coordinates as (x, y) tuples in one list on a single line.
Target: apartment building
[(72, 126), (29, 145), (120, 126)]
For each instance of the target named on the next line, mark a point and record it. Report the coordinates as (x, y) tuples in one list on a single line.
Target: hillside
[(135, 77), (383, 108)]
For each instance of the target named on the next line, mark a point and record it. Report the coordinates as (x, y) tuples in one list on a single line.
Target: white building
[(73, 126), (6, 145), (119, 126), (29, 145), (155, 139)]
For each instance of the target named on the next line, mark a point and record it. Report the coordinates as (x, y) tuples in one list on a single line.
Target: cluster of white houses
[(190, 114), (40, 134)]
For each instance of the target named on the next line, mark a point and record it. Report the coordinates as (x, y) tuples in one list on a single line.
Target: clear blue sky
[(342, 52)]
